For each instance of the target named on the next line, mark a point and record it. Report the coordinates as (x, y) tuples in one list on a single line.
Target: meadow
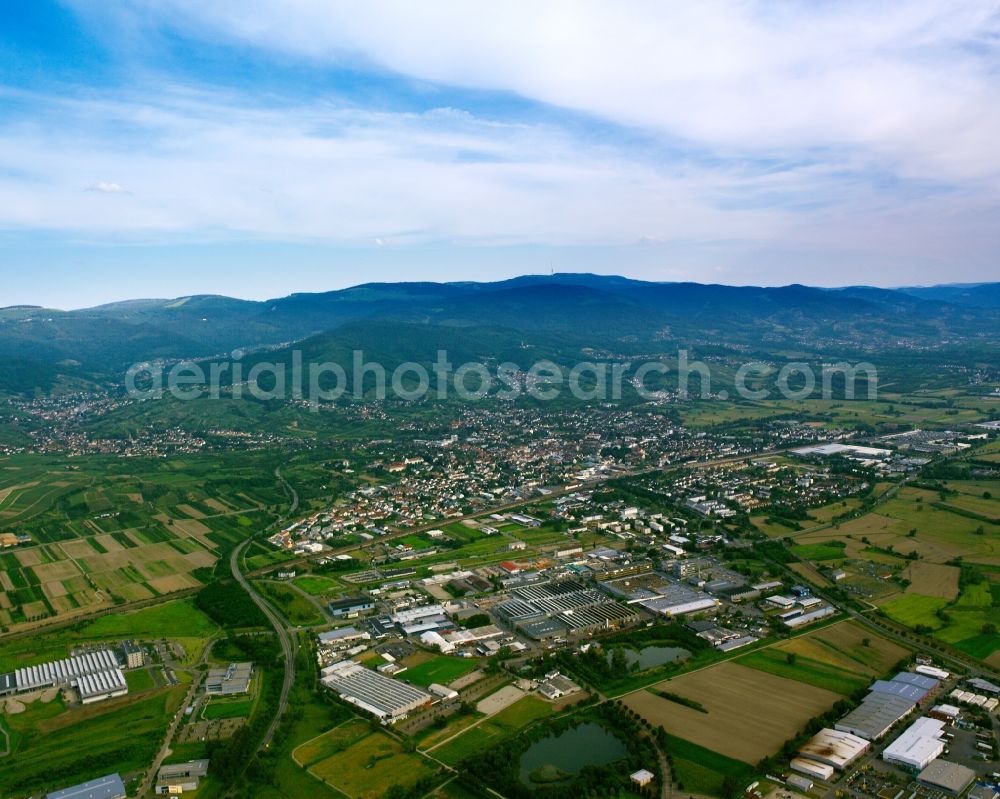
[(121, 735), (439, 669), (492, 730)]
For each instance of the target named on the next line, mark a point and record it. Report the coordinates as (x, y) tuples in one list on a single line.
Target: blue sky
[(260, 147)]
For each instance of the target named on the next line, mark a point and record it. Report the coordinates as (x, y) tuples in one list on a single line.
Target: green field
[(318, 585), (227, 710), (819, 552), (807, 670), (440, 669), (178, 620), (55, 747), (296, 608), (914, 609), (370, 766), (700, 770), (508, 721)]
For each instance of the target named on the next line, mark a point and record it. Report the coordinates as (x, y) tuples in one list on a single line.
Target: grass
[(295, 607), (505, 723), (139, 680), (178, 619), (440, 669), (913, 609), (227, 710), (317, 585), (368, 768), (806, 670), (819, 552), (700, 770), (119, 736)]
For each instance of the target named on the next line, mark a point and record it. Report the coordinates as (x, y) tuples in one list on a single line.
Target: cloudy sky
[(260, 147)]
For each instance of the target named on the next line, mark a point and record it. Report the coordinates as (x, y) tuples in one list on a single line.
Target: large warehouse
[(109, 787), (921, 743), (381, 696), (64, 672), (875, 716), (95, 675), (952, 778), (834, 748)]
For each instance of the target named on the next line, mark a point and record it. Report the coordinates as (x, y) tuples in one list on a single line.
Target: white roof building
[(919, 744)]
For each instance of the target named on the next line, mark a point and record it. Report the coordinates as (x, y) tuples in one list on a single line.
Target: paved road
[(189, 697), (289, 644)]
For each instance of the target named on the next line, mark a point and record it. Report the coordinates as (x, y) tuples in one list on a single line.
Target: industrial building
[(95, 676), (875, 716), (552, 609), (915, 687), (811, 768), (383, 697), (230, 681), (919, 744), (350, 606), (834, 748), (101, 685), (107, 787), (181, 777), (64, 672), (945, 776)]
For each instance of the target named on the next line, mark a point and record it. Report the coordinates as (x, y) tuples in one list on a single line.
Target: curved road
[(289, 643)]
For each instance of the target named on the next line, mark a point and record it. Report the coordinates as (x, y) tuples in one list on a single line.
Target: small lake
[(651, 656), (559, 758)]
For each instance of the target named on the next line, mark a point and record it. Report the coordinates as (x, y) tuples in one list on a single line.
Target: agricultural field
[(106, 534), (931, 579), (804, 669), (750, 713), (915, 520), (848, 647)]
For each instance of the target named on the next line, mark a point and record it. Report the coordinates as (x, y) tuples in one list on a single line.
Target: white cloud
[(106, 187), (910, 84)]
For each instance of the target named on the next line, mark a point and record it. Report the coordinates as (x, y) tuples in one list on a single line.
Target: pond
[(651, 656), (559, 758)]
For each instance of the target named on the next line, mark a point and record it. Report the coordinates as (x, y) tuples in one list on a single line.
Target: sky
[(256, 148)]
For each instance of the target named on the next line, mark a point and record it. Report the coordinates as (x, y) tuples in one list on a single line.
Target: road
[(289, 644), (189, 697)]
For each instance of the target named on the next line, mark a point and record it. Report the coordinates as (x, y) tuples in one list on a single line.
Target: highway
[(289, 643)]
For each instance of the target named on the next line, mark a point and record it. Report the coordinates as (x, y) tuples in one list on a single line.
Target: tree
[(791, 658)]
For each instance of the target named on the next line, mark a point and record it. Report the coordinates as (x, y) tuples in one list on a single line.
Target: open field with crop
[(932, 579), (847, 647), (914, 520), (750, 713), (105, 532), (801, 668)]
